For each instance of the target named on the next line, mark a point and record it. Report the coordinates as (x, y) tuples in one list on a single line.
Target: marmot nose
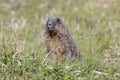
[(50, 27), (51, 30)]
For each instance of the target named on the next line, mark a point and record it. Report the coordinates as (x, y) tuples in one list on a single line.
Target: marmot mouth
[(51, 31)]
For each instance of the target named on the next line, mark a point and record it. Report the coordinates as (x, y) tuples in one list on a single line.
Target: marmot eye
[(49, 24)]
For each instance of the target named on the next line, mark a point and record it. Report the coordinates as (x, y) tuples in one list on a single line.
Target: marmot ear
[(59, 19)]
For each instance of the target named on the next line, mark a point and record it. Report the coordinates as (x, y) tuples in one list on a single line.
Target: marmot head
[(54, 25)]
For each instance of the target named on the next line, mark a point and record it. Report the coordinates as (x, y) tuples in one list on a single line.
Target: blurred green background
[(95, 24)]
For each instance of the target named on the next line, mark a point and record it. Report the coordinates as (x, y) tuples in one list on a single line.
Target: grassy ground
[(95, 24)]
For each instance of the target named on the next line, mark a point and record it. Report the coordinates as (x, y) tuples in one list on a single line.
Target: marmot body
[(59, 41)]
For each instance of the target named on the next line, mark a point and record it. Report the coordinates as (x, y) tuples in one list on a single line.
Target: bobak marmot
[(59, 42)]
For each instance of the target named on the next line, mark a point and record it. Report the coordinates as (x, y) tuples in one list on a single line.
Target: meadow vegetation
[(95, 24)]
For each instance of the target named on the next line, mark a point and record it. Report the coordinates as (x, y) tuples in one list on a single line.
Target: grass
[(94, 24)]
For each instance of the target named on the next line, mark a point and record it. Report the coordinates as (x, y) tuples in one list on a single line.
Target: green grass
[(94, 24)]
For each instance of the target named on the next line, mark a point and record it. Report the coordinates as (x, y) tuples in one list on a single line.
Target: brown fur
[(60, 41)]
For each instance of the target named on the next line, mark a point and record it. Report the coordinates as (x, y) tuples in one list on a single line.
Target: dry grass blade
[(49, 54)]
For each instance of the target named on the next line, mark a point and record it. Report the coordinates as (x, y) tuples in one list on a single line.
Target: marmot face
[(52, 26)]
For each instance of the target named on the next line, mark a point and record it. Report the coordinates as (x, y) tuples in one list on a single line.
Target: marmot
[(59, 42)]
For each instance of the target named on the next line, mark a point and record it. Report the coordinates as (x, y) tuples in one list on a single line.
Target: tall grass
[(94, 24)]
